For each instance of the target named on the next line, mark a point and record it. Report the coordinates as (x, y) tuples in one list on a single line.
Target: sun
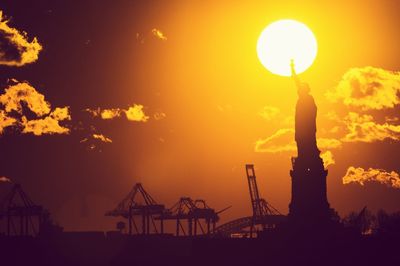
[(284, 40)]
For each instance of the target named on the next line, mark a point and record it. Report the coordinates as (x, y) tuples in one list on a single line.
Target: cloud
[(6, 121), (360, 176), (328, 159), (15, 49), (363, 128), (390, 119), (133, 113), (153, 33), (283, 141), (158, 34), (24, 93), (110, 113), (136, 113), (94, 112), (269, 112), (5, 179), (94, 141), (159, 115), (49, 124), (332, 115), (102, 138), (12, 112), (328, 143), (368, 88)]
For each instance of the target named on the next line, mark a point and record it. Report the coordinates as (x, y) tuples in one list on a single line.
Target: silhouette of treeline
[(368, 223)]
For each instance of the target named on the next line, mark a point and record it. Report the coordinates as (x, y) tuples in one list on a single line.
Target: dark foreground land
[(96, 249)]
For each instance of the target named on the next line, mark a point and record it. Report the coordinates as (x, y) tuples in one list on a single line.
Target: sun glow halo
[(284, 40)]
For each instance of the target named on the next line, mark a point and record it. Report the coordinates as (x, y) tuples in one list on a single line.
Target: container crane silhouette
[(264, 214), (148, 209)]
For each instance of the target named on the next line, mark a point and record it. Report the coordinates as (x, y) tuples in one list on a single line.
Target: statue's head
[(303, 89)]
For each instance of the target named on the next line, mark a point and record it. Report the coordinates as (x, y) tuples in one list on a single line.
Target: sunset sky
[(173, 95)]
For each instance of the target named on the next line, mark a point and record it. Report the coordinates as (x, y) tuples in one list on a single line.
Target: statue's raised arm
[(294, 75)]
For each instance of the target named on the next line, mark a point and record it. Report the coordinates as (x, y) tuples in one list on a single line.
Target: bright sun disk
[(284, 40)]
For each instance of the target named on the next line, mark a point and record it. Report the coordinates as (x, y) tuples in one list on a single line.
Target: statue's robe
[(305, 126)]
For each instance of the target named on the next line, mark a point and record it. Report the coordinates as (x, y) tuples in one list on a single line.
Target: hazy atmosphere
[(98, 95)]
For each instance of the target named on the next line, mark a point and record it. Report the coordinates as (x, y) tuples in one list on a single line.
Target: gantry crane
[(148, 209), (24, 218), (264, 214), (260, 206), (193, 211)]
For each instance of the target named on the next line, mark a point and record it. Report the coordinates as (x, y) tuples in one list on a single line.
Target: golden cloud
[(93, 112), (159, 115), (328, 159), (153, 33), (363, 128), (105, 113), (94, 140), (158, 34), (283, 141), (269, 112), (367, 88), (47, 125), (133, 113), (6, 121), (136, 113), (61, 114), (15, 49), (102, 138), (47, 122), (328, 143), (360, 176), (23, 92), (110, 113)]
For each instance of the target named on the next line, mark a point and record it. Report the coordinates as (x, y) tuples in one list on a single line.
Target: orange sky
[(207, 80)]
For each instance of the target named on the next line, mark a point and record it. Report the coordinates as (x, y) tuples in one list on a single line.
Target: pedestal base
[(309, 205)]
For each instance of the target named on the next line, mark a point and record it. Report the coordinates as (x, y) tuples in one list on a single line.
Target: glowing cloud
[(23, 94), (328, 143), (283, 141), (136, 113), (327, 157), (61, 114), (133, 113), (6, 121), (158, 34), (102, 138), (49, 124), (360, 176), (15, 49), (363, 128), (110, 113), (269, 112), (368, 88), (159, 115), (94, 141), (153, 33), (93, 112), (105, 113)]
